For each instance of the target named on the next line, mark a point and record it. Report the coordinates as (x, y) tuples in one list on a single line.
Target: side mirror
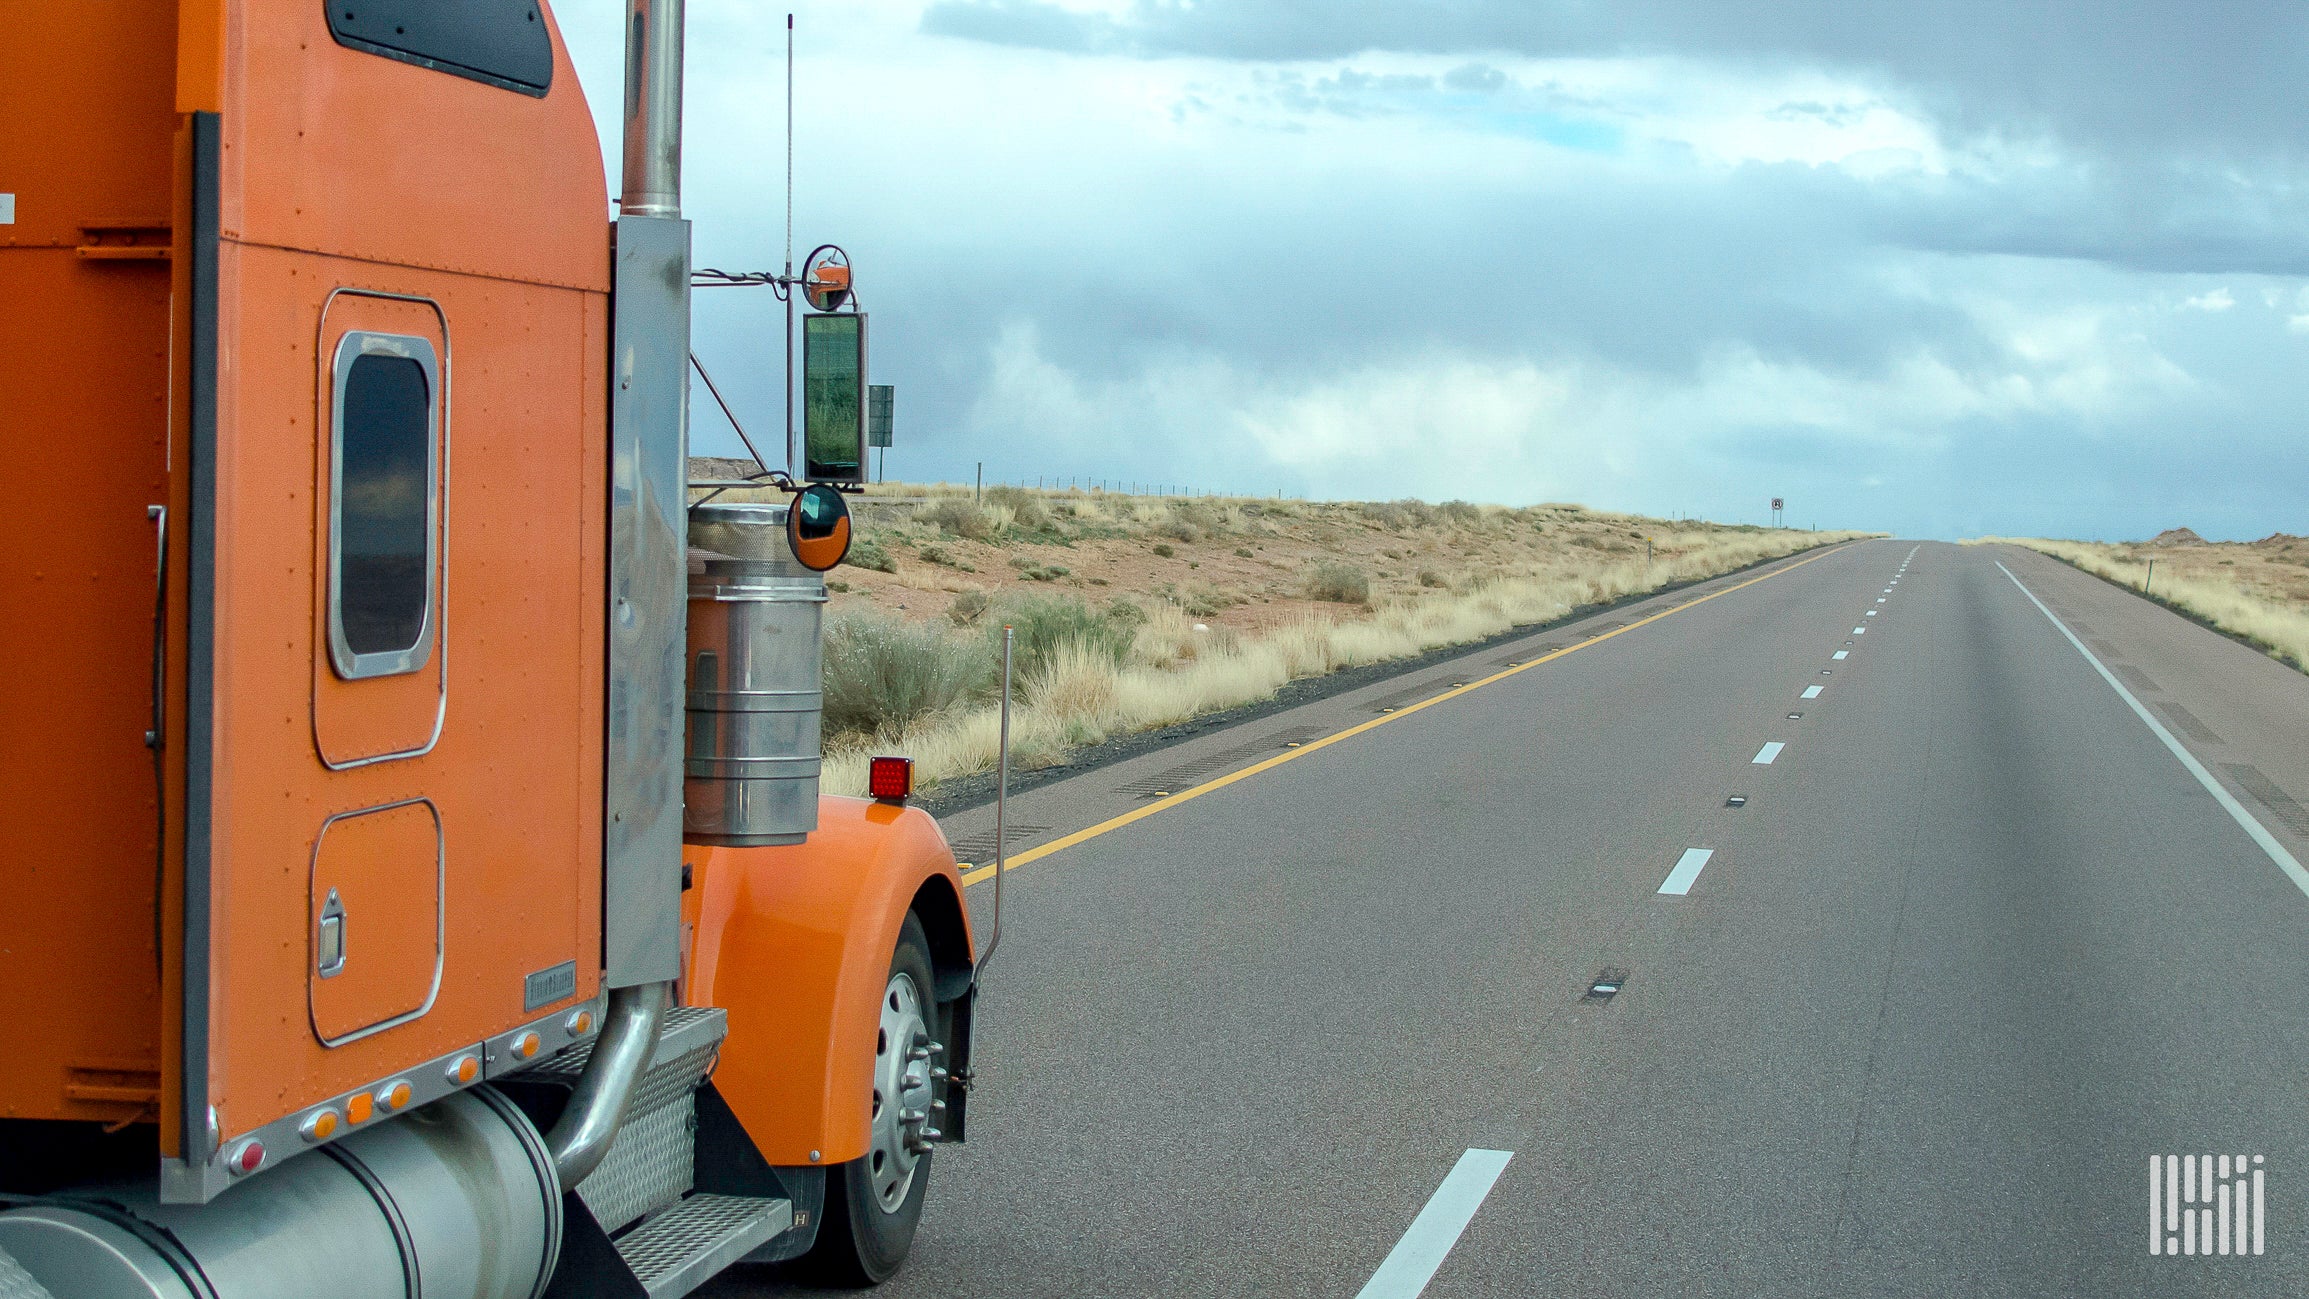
[(818, 527)]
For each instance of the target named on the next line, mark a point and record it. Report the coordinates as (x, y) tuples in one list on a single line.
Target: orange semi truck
[(416, 881)]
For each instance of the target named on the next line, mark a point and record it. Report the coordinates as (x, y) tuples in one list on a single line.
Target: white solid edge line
[(1412, 1263), (1770, 751), (1688, 867), (2260, 833)]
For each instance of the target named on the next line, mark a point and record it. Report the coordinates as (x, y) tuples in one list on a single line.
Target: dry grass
[(1440, 575), (2257, 591)]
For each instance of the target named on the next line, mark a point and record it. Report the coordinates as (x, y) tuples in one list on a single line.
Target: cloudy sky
[(1942, 268)]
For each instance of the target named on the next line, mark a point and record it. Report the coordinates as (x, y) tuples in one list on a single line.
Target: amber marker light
[(392, 1096), (464, 1069), (890, 780), (319, 1125), (526, 1045), (579, 1023), (358, 1108)]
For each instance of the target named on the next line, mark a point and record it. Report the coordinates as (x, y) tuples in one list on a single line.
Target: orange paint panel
[(375, 918), (339, 168), (85, 95), (342, 168), (516, 774), (795, 942), (334, 150), (374, 717)]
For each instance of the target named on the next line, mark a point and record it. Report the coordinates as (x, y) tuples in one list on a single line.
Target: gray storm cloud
[(1933, 275)]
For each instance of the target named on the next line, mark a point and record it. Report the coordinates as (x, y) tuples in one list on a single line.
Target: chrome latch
[(330, 947)]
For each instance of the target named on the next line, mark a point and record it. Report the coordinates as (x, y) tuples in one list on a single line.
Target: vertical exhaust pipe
[(653, 58), (648, 597)]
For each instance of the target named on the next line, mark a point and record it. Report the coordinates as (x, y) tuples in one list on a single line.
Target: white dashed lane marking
[(1412, 1263), (1813, 692), (1765, 755), (1843, 654), (1688, 866)]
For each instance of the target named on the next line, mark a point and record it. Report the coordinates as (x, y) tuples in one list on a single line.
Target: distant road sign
[(879, 399), (1778, 504)]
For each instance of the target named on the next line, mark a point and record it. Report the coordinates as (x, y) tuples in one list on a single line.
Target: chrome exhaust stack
[(653, 67), (647, 617)]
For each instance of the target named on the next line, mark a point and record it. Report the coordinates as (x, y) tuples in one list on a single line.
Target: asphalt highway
[(2002, 915)]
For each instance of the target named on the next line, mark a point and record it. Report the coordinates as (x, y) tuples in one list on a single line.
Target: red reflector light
[(890, 779)]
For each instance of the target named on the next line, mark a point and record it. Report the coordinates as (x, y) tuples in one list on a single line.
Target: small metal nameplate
[(548, 986)]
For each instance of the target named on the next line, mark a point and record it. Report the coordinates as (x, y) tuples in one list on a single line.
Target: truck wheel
[(873, 1203)]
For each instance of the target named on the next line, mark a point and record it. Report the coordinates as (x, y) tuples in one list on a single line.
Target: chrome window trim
[(440, 920), (354, 345)]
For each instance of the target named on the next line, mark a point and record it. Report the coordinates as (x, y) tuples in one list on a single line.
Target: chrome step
[(651, 1164), (685, 1246)]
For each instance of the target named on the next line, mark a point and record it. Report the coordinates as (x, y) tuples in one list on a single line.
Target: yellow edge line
[(1064, 842)]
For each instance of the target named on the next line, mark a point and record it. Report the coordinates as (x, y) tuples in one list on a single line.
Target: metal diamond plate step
[(685, 1246), (16, 1283)]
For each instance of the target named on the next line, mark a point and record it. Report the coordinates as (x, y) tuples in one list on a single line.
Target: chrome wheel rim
[(902, 1093)]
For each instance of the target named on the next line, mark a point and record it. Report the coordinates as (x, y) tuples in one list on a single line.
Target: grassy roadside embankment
[(1134, 613), (2256, 591)]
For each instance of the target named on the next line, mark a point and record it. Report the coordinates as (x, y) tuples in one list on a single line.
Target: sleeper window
[(383, 501)]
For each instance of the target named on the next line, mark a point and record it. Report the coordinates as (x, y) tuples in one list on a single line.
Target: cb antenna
[(787, 281)]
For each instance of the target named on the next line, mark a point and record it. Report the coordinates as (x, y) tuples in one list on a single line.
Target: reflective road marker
[(1765, 755), (1812, 692), (1679, 881), (1412, 1263)]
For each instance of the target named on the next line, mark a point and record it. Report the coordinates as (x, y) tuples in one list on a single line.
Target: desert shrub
[(1046, 623), (868, 552), (1125, 612), (1398, 515), (961, 518), (1429, 577), (1202, 600), (1242, 552), (1460, 512), (1163, 551), (1190, 520), (937, 554), (1342, 583), (966, 608), (1026, 509), (882, 674)]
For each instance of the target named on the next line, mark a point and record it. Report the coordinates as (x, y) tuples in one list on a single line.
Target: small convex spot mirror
[(818, 527)]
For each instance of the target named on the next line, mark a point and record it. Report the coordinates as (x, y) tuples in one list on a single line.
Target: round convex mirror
[(818, 527)]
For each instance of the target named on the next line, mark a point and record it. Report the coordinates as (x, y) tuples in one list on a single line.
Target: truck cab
[(370, 874)]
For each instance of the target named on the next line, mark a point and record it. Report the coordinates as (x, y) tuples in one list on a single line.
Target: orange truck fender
[(795, 943)]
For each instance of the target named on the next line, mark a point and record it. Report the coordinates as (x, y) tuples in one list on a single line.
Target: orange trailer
[(412, 836)]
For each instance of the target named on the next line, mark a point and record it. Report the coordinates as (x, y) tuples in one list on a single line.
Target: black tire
[(861, 1243)]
